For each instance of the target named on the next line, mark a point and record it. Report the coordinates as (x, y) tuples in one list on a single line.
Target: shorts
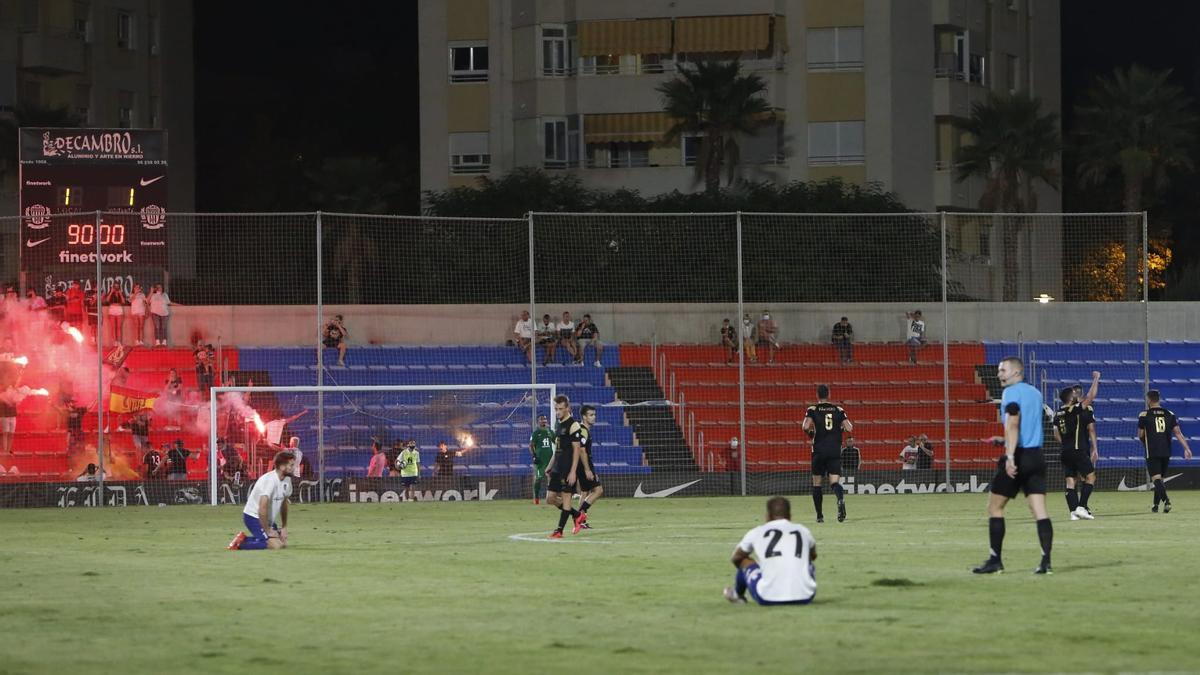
[(558, 483), (753, 574), (1031, 474), (408, 480), (331, 343), (1157, 466), (582, 481), (823, 464), (8, 425), (1077, 463), (254, 527)]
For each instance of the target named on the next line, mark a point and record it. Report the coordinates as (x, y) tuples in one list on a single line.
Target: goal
[(484, 428)]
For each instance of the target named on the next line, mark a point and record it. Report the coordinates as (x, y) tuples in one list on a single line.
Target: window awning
[(723, 33), (644, 36), (638, 127)]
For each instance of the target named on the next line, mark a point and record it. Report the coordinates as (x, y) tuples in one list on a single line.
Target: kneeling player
[(784, 573), (590, 488), (267, 505)]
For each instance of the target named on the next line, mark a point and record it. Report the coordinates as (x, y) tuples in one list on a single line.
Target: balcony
[(52, 54), (951, 13)]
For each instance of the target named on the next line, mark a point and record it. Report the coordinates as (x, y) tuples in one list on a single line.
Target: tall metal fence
[(269, 301)]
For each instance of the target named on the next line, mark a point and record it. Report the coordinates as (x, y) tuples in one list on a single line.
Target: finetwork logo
[(482, 494), (973, 484)]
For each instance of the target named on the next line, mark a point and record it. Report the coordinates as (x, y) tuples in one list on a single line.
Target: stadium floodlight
[(347, 419)]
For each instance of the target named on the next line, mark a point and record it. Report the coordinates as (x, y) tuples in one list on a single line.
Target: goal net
[(473, 440)]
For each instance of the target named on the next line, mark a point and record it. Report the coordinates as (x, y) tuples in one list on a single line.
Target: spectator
[(908, 456), (174, 386), (566, 337), (177, 461), (586, 333), (114, 299), (916, 334), (334, 336), (843, 340), (140, 426), (91, 475), (137, 312), (91, 310), (748, 339), (548, 338), (233, 466), (73, 305), (160, 310), (34, 302), (393, 457), (378, 461), (57, 304), (768, 335), (728, 340), (205, 374), (444, 461), (523, 334), (851, 456), (152, 462), (925, 457)]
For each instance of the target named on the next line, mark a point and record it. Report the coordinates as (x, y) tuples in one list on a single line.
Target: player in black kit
[(824, 423), (569, 442), (1075, 431), (1156, 425)]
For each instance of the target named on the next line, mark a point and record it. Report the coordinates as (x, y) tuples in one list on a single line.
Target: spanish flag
[(126, 400)]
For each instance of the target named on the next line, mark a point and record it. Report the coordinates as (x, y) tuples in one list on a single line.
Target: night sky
[(289, 84)]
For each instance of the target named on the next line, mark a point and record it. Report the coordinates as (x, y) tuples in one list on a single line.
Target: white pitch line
[(541, 537)]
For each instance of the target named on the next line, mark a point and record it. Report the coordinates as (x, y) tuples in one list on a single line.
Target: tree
[(714, 100), (1014, 146), (1138, 125)]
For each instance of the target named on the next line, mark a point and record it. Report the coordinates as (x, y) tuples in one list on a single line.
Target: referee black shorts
[(1031, 474), (1157, 466), (1077, 463)]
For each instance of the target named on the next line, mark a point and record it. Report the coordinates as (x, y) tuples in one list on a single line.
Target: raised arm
[(1093, 390)]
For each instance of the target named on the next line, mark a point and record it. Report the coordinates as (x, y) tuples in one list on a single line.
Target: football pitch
[(474, 587)]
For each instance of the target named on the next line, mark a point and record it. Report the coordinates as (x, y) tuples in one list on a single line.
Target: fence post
[(1146, 301), (946, 351), (533, 343), (320, 367), (741, 359), (99, 362)]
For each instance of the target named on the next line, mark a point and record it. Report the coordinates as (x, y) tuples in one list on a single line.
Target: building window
[(622, 64), (125, 114), (691, 149), (1013, 68), (557, 52), (835, 48), (152, 35), (560, 137), (83, 103), (125, 30), (83, 22), (978, 69), (469, 153), (469, 63), (618, 155), (831, 143)]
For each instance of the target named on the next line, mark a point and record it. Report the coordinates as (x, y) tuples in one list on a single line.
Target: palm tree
[(1138, 125), (715, 100), (1014, 147)]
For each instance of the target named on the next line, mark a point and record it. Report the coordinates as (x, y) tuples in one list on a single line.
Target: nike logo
[(145, 182), (1122, 487), (29, 243), (638, 494)]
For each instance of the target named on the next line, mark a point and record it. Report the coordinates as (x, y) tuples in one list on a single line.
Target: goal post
[(459, 407)]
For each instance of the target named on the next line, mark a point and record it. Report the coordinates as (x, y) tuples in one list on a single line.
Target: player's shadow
[(1092, 566)]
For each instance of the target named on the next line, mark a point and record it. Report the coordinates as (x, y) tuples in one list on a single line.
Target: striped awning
[(723, 33), (639, 127), (644, 36)]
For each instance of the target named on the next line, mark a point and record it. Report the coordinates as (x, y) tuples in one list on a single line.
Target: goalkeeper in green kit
[(541, 448)]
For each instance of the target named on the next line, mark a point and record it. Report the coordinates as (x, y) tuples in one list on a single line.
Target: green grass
[(443, 587)]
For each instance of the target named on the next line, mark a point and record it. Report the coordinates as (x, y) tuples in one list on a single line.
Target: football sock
[(817, 498), (1072, 499), (837, 490), (562, 518), (1160, 491), (583, 507), (996, 536), (739, 582), (1087, 493), (1045, 537), (574, 512)]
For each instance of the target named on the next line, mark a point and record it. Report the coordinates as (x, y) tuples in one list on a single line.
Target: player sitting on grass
[(541, 449), (267, 505), (784, 572)]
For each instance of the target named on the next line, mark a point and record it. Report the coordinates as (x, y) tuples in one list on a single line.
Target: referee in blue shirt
[(1022, 468)]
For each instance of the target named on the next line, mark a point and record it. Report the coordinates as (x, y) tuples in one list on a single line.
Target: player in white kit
[(266, 512), (783, 573)]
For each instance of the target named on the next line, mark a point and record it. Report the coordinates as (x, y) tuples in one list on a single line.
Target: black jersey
[(1158, 424), (569, 432), (586, 455), (1072, 422), (827, 421)]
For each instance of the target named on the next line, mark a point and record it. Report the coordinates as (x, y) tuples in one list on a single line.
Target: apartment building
[(866, 90)]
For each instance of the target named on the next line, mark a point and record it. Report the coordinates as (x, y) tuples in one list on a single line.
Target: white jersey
[(782, 549), (916, 329), (271, 486)]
